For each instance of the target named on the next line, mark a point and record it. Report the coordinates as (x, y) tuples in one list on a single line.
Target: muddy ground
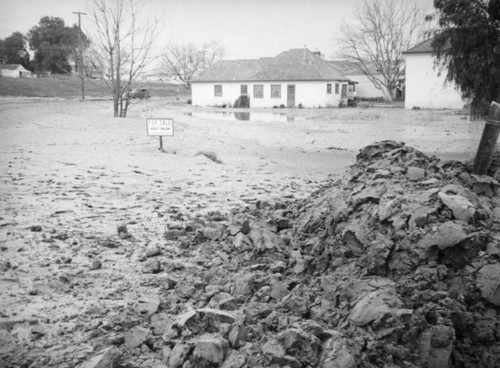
[(87, 200)]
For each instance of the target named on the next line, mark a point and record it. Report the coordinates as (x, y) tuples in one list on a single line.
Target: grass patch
[(68, 86), (212, 156)]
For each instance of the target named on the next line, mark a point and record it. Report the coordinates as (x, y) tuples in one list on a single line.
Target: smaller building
[(14, 71), (294, 78), (426, 85), (365, 89)]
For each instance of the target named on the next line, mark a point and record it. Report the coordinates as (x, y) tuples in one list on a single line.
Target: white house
[(426, 85), (294, 78), (364, 87), (14, 71)]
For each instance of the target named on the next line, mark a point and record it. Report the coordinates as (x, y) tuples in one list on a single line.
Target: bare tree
[(376, 39), (183, 63), (124, 39)]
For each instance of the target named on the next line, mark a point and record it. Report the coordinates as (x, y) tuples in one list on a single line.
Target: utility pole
[(80, 66)]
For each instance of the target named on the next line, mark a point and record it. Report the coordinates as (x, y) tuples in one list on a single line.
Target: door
[(290, 96), (344, 91)]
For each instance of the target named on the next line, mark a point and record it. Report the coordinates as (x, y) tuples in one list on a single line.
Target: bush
[(242, 102)]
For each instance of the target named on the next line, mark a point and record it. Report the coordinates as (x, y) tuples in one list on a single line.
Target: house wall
[(365, 88), (425, 86), (15, 73), (309, 94)]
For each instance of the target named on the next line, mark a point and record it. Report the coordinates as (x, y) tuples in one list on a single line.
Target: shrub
[(242, 102), (212, 156)]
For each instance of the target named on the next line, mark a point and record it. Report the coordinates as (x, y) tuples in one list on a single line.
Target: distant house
[(426, 85), (364, 87), (14, 71), (294, 78)]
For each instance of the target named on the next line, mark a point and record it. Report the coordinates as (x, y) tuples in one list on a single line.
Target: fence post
[(488, 140)]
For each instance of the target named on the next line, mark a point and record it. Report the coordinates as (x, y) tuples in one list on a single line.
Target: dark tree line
[(468, 44), (53, 42)]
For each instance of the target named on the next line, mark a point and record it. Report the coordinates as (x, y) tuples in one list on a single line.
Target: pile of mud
[(395, 265)]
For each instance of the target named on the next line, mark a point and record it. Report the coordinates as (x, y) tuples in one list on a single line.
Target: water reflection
[(245, 116)]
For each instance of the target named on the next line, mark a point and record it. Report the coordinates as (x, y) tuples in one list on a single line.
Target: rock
[(36, 228), (273, 349), (234, 360), (461, 207), (377, 255), (135, 337), (151, 266), (209, 350), (389, 209), (123, 232), (245, 227), (96, 265), (336, 353), (420, 216), (110, 243), (38, 331), (312, 221), (301, 345), (185, 289), (295, 304), (367, 195), (152, 252), (148, 303), (242, 242), (211, 233), (282, 223), (279, 290), (179, 354), (484, 185), (263, 239), (415, 173), (256, 311), (238, 336), (436, 347), (173, 234), (105, 358), (376, 305), (205, 319), (370, 308), (447, 234), (278, 267), (488, 282)]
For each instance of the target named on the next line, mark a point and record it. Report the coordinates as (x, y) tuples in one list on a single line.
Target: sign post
[(160, 127)]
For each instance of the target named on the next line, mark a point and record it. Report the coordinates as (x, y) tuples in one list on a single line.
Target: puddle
[(245, 116)]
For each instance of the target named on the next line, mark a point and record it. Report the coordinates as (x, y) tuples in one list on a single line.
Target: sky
[(245, 28)]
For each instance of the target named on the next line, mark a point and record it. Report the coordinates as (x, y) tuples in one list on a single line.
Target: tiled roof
[(295, 64), (423, 47)]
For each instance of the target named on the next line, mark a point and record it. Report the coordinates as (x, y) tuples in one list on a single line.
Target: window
[(275, 90), (258, 91), (336, 88), (329, 88), (218, 90), (243, 89)]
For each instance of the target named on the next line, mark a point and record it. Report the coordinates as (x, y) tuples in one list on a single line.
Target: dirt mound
[(395, 265)]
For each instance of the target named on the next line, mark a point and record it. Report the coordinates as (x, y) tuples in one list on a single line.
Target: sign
[(160, 127)]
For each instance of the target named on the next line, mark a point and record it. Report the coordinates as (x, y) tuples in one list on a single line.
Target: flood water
[(246, 116)]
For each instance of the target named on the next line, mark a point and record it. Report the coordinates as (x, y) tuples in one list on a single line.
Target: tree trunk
[(488, 141)]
